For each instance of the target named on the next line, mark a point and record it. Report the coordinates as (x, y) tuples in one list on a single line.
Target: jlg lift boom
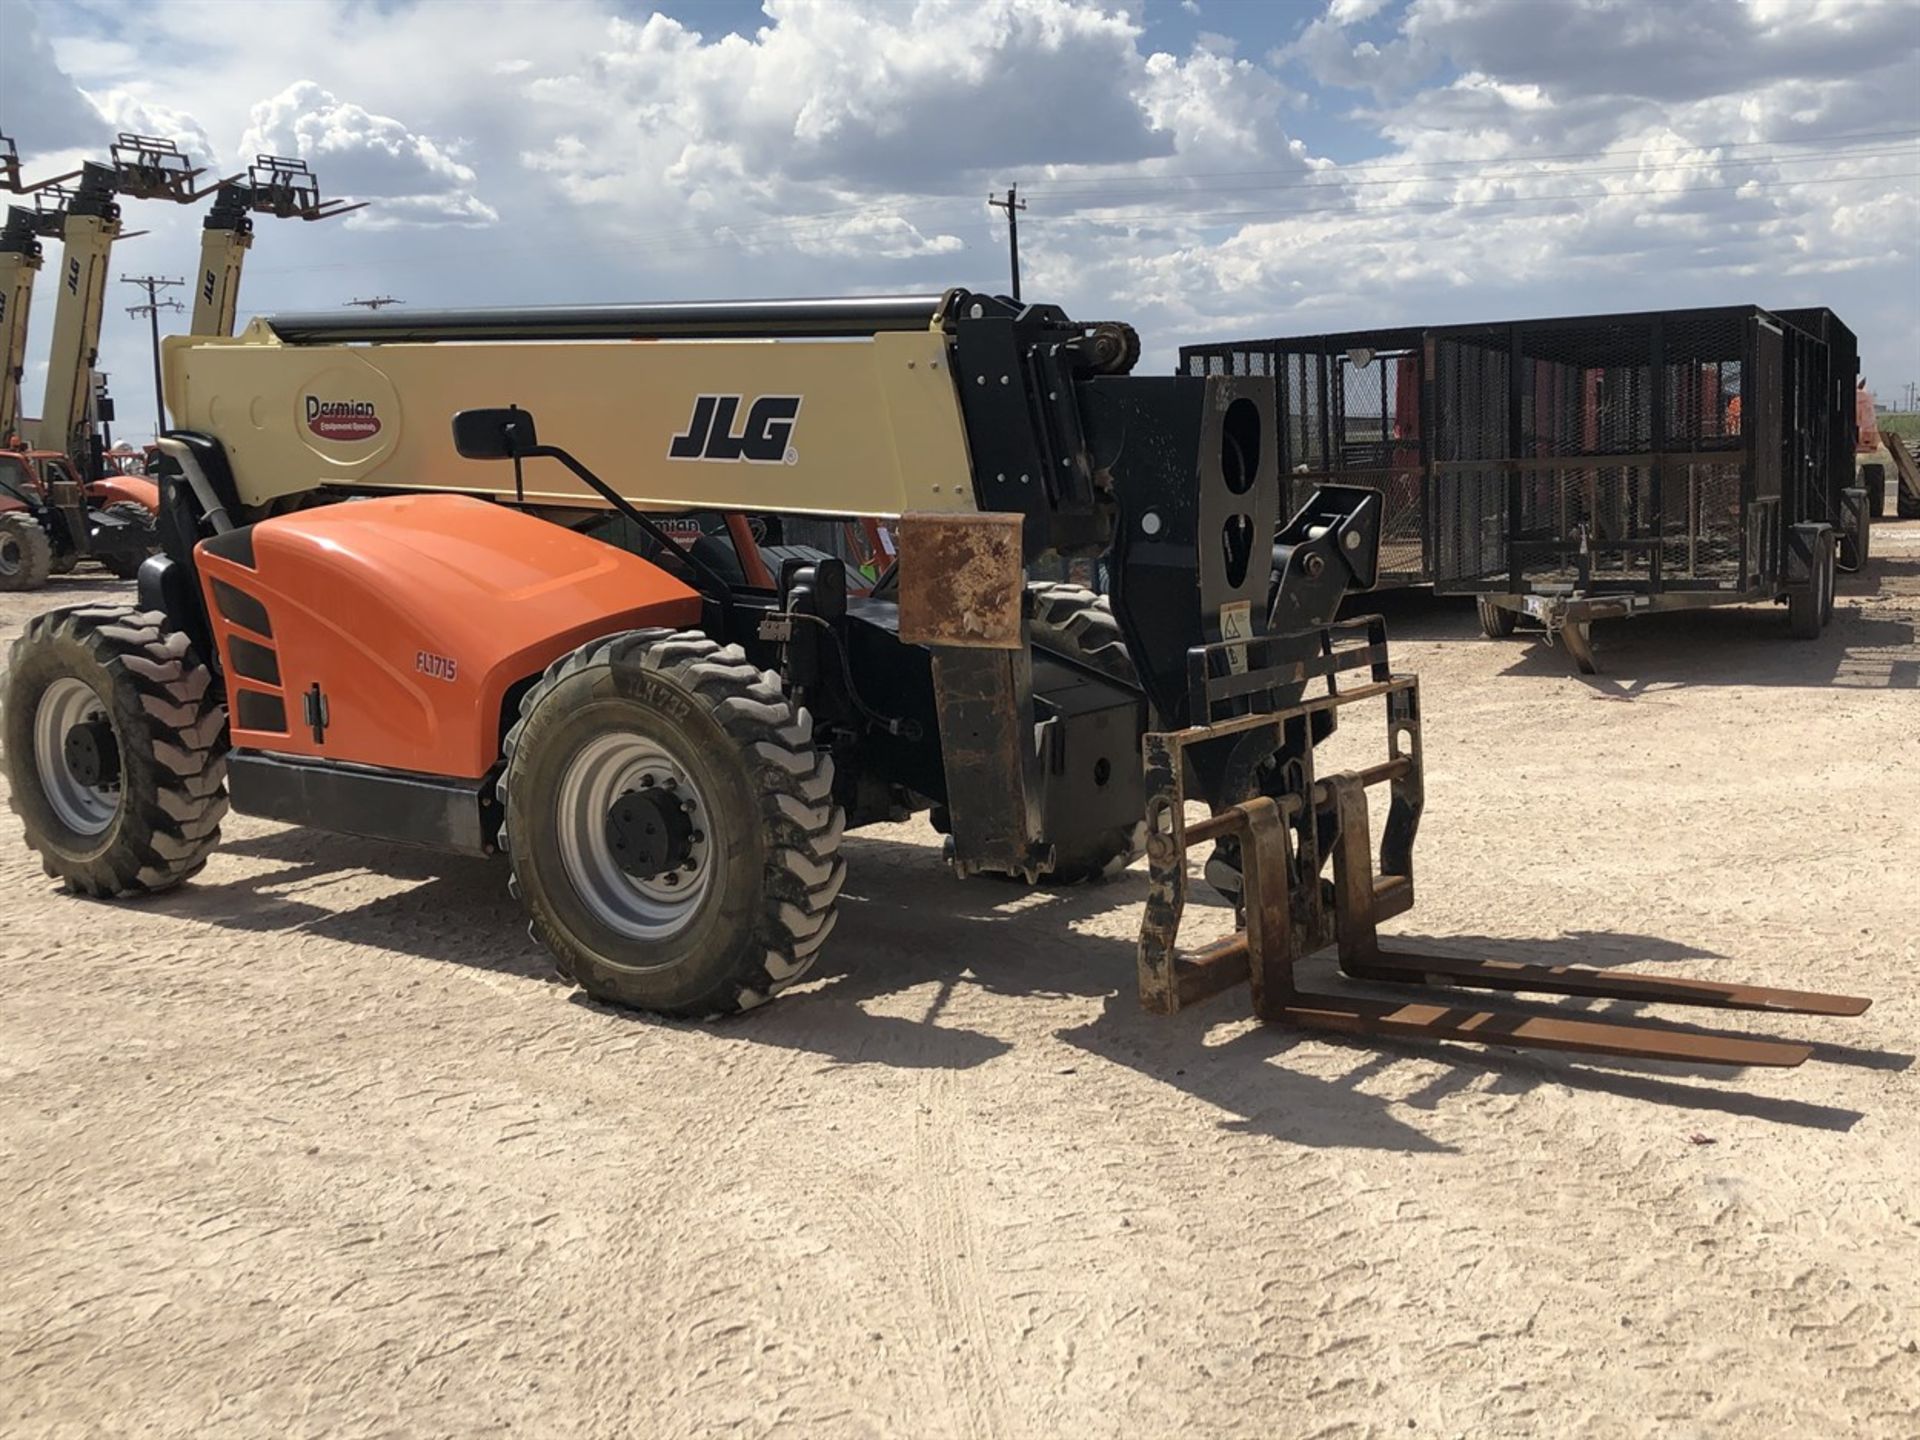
[(143, 168), (21, 257), (667, 757), (274, 185)]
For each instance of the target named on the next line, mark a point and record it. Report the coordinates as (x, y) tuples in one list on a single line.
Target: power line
[(1387, 163), (1339, 182), (949, 202), (1409, 207), (153, 284)]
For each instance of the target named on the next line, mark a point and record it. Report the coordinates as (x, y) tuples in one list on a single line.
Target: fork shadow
[(906, 924)]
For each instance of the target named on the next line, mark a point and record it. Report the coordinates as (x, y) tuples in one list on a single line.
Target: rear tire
[(137, 517), (26, 554), (139, 811), (1808, 610), (758, 872), (1496, 621)]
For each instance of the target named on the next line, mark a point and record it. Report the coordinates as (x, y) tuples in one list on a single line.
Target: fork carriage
[(1286, 912)]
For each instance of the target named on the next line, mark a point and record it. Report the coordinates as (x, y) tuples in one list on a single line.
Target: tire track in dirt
[(968, 1351)]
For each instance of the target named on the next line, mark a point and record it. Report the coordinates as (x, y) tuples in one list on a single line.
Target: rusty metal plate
[(961, 581)]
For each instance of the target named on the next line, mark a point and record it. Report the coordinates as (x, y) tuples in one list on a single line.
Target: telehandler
[(668, 756)]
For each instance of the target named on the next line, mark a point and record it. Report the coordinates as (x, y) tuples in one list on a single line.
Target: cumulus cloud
[(1512, 156), (873, 93), (415, 179), (128, 113), (45, 110)]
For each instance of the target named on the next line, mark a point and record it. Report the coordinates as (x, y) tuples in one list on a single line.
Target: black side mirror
[(494, 434)]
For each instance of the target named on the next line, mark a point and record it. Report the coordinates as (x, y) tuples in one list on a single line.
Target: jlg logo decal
[(342, 419), (767, 438)]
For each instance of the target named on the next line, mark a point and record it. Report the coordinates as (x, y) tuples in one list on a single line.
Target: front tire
[(26, 554), (116, 741), (1073, 620), (671, 826)]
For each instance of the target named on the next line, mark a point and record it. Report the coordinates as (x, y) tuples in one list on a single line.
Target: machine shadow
[(906, 924)]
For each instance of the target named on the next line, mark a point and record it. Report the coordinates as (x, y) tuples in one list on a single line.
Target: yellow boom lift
[(274, 185)]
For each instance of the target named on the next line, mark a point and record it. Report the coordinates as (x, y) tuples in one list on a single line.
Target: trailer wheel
[(137, 518), (116, 740), (1496, 621), (671, 826), (1810, 607), (26, 554), (1075, 621)]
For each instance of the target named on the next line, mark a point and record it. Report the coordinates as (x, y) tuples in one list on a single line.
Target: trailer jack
[(1288, 912)]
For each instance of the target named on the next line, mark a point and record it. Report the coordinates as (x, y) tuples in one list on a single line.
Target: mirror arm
[(721, 588)]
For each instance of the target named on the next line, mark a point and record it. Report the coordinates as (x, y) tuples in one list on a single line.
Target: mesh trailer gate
[(1352, 412), (1586, 467)]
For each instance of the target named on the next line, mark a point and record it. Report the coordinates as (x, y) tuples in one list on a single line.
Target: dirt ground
[(317, 1146)]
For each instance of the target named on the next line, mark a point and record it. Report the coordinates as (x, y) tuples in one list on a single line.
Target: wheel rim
[(84, 809), (605, 770), (9, 555)]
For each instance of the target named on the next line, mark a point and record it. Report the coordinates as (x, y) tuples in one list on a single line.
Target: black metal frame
[(1650, 392)]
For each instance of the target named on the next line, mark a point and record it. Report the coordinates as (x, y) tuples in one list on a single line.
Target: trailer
[(1584, 468)]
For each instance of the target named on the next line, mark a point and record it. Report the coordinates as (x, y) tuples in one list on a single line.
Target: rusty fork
[(1283, 922)]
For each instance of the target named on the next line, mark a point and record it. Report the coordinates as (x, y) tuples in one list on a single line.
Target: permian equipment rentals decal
[(767, 438), (347, 420)]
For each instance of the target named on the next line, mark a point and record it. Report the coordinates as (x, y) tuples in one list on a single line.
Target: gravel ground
[(318, 1146)]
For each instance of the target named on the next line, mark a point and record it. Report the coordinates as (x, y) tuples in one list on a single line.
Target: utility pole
[(376, 301), (1013, 205), (153, 285)]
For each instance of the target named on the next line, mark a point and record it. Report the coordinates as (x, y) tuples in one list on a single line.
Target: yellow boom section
[(877, 430)]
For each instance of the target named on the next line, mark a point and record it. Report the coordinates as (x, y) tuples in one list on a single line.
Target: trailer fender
[(389, 632), (1806, 544)]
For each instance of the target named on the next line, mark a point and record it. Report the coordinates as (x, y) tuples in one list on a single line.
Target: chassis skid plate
[(1288, 912)]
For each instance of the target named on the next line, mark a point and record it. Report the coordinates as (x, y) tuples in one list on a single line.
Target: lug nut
[(670, 878), (646, 782), (698, 837)]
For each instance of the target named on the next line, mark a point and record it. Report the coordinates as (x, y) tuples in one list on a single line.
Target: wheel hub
[(92, 754), (650, 833), (634, 836), (76, 757)]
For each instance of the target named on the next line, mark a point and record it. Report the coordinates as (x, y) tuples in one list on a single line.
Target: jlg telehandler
[(667, 757)]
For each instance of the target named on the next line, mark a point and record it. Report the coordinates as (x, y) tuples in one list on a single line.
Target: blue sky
[(1205, 168)]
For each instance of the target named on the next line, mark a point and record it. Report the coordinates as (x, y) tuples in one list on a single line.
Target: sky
[(1206, 169)]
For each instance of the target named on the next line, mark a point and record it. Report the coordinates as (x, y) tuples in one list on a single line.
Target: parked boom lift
[(274, 185), (144, 168), (666, 757)]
